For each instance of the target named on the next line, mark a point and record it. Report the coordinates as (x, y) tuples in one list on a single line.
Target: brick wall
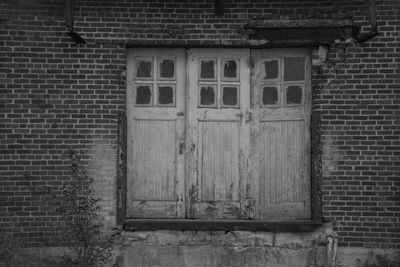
[(56, 94)]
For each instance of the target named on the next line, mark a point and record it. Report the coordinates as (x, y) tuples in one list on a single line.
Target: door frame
[(185, 224)]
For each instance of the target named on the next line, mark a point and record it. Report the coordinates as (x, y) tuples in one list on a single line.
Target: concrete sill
[(222, 225)]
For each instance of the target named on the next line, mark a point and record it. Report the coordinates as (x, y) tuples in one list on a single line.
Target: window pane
[(165, 95), (270, 96), (230, 68), (229, 96), (143, 95), (271, 69), (293, 94), (207, 69), (167, 68), (294, 68), (207, 96), (143, 68)]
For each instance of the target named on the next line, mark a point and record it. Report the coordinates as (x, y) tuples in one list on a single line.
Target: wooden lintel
[(317, 35), (309, 23)]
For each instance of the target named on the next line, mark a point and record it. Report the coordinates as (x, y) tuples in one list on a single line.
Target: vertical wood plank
[(181, 92), (130, 68), (316, 167), (254, 153), (246, 184), (192, 186), (121, 170)]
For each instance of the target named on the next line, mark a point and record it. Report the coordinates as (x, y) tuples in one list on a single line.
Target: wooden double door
[(218, 134)]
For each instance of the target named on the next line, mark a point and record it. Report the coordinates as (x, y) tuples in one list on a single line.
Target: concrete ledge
[(141, 254)]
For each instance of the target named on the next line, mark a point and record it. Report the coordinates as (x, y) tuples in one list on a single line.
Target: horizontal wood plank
[(154, 209), (222, 225)]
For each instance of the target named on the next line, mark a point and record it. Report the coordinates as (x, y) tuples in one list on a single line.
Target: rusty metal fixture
[(69, 21), (363, 37)]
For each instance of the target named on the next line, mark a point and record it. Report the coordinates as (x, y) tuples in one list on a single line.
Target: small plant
[(81, 221)]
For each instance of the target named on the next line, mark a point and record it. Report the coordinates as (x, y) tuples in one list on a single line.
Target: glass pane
[(230, 68), (165, 95), (143, 95), (293, 94), (207, 96), (294, 68), (271, 69), (167, 68), (143, 67), (229, 96), (207, 69), (270, 96)]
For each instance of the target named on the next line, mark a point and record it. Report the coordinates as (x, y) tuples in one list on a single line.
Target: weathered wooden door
[(280, 144), (215, 135), (156, 127), (218, 133)]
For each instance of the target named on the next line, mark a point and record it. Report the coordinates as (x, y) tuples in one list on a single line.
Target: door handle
[(180, 113), (239, 115), (249, 116)]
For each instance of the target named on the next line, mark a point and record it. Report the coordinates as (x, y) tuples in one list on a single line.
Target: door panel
[(156, 126), (219, 160), (218, 133), (281, 169), (157, 145), (280, 129)]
